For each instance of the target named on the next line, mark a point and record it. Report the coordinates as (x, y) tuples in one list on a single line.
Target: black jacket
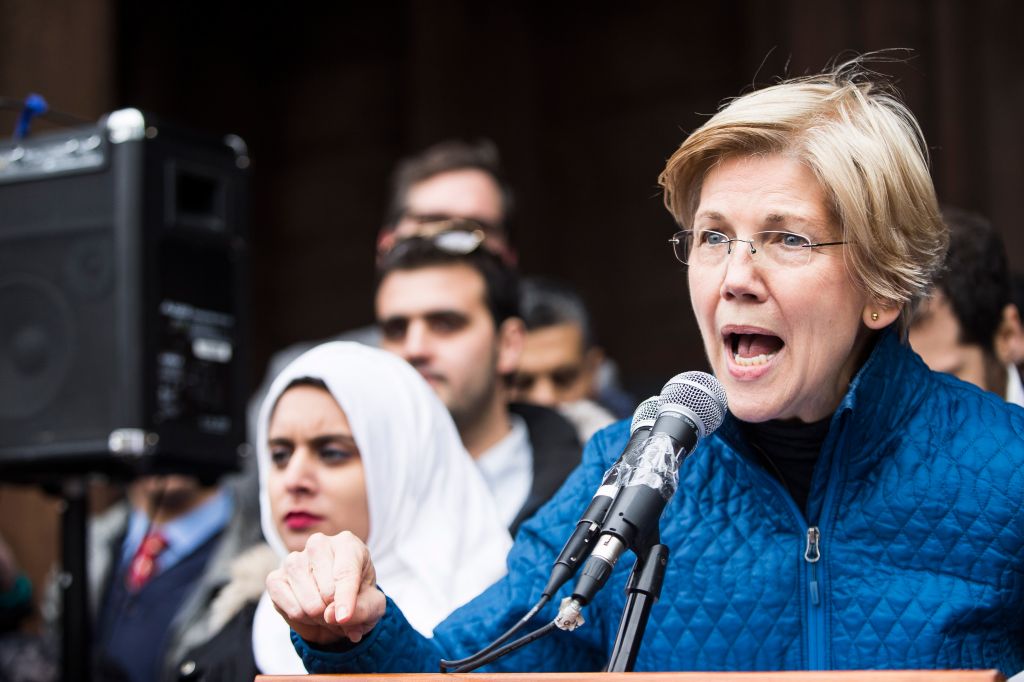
[(227, 656), (556, 452)]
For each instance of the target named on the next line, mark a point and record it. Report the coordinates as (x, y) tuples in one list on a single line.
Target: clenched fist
[(328, 591)]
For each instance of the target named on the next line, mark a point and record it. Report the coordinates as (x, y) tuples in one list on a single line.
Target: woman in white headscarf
[(352, 438)]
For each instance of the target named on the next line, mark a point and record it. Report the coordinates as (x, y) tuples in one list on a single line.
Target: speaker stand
[(76, 623)]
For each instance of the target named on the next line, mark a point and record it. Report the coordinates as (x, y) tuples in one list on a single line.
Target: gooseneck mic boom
[(578, 547), (691, 406)]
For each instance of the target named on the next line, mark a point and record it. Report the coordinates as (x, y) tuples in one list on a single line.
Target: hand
[(328, 591)]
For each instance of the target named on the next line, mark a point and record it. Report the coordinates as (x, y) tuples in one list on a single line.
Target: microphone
[(579, 544), (578, 547), (691, 406)]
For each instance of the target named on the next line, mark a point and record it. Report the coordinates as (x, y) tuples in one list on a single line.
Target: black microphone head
[(699, 392), (645, 414)]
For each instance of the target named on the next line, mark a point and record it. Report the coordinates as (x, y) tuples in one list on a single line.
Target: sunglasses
[(457, 236)]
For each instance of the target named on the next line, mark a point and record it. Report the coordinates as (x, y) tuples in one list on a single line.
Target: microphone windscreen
[(702, 393), (645, 414)]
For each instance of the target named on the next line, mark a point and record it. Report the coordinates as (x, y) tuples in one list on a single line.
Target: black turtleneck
[(788, 450)]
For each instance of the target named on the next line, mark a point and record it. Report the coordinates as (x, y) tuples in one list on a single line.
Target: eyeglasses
[(773, 248)]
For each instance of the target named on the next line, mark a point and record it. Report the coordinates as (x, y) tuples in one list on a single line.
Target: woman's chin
[(295, 539), (751, 408), (754, 417)]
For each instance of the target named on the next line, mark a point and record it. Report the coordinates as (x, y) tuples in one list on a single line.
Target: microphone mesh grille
[(700, 392), (646, 413)]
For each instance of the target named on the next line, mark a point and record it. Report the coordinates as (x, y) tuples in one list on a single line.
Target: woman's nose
[(742, 278), (300, 474)]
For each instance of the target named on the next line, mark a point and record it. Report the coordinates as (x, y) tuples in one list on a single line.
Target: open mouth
[(751, 350)]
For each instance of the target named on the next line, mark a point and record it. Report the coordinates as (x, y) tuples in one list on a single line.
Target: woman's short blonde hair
[(868, 153)]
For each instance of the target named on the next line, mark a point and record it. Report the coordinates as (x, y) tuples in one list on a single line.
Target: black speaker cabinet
[(122, 269)]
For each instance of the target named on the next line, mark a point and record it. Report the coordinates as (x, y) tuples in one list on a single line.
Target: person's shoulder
[(608, 443), (248, 573), (963, 396), (973, 414), (544, 423), (110, 522), (616, 431), (227, 655), (587, 416), (940, 400)]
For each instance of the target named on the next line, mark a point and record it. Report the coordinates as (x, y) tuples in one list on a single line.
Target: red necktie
[(143, 564)]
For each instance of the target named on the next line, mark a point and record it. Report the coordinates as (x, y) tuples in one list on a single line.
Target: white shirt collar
[(507, 468), (1014, 386)]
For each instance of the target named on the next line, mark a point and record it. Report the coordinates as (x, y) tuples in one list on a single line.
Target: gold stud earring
[(874, 317)]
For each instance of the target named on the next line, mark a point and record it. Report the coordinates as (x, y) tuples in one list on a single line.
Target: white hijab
[(435, 535)]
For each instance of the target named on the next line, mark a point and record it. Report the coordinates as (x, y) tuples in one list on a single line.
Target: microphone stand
[(642, 590)]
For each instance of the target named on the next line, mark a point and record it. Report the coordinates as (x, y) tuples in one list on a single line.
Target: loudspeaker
[(122, 271)]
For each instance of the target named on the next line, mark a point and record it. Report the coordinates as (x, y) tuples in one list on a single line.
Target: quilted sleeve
[(394, 646), (374, 653)]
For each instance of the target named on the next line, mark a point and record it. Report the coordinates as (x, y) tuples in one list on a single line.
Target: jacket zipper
[(812, 553), (815, 610)]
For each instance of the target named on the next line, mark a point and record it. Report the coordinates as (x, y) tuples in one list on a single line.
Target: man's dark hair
[(975, 277), (546, 302), (501, 283), (445, 157)]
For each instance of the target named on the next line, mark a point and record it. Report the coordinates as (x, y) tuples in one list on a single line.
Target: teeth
[(756, 360)]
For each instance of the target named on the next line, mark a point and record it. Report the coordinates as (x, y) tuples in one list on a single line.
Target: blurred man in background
[(561, 365), (156, 561), (450, 308), (451, 179), (969, 327), (1014, 347)]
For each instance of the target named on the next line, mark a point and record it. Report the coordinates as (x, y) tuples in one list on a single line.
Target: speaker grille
[(37, 339)]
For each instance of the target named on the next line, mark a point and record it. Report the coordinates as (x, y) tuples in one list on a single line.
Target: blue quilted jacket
[(917, 502)]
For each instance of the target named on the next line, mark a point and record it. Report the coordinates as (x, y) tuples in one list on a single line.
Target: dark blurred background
[(585, 101)]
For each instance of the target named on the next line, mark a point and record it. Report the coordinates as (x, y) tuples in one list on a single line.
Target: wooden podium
[(796, 676)]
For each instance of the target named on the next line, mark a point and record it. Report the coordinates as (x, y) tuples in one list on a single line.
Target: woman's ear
[(879, 316)]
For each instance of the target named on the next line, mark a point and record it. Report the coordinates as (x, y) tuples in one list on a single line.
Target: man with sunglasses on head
[(451, 179), (450, 307)]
